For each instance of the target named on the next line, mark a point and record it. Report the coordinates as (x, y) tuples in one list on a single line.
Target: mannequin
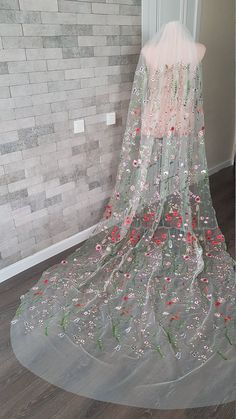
[(169, 109)]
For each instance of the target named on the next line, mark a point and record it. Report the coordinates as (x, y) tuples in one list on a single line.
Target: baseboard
[(220, 166), (42, 255), (30, 261)]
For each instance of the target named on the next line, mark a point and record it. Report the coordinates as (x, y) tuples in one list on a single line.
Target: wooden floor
[(23, 395)]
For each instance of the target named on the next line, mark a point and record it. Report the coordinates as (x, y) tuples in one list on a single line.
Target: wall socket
[(78, 126), (111, 118)]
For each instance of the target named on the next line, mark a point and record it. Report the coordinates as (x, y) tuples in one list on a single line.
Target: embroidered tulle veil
[(143, 313)]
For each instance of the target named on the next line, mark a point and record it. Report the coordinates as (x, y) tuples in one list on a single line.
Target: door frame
[(151, 15)]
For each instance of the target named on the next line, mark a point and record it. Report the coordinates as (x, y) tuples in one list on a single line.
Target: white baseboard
[(30, 261), (220, 166), (42, 255)]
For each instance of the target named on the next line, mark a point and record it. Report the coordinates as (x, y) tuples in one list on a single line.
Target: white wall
[(217, 33)]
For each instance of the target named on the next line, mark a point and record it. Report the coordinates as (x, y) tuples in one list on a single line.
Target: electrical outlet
[(111, 118), (78, 126)]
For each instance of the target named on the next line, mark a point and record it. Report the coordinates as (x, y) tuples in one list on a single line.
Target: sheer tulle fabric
[(143, 313)]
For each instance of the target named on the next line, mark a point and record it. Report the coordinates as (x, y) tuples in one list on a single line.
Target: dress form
[(158, 116)]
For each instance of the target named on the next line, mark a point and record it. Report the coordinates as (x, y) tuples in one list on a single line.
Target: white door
[(157, 12)]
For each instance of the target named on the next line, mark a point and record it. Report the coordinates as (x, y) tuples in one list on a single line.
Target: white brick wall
[(60, 60)]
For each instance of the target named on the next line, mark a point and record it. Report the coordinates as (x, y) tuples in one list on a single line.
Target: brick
[(24, 112), (13, 79), (123, 59), (58, 106), (107, 71), (51, 118), (30, 217), (92, 82), (130, 40), (8, 137), (9, 5), (4, 92), (130, 10), (79, 94), (130, 30), (43, 53), (130, 2), (27, 66), (42, 76), (79, 73), (94, 62), (48, 98), (91, 40), (59, 18), (7, 115), (14, 42), (22, 184), (132, 49), (7, 29), (12, 157), (105, 8), (106, 51), (63, 64), (92, 19), (10, 16), (106, 30), (22, 101), (40, 30), (123, 20), (60, 41), (16, 124), (77, 29), (53, 200), (29, 89), (80, 113), (41, 5), (12, 55), (63, 85), (74, 6), (7, 104), (3, 68), (78, 52)]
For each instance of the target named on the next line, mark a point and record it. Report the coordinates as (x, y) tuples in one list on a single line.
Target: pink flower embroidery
[(128, 221), (98, 247)]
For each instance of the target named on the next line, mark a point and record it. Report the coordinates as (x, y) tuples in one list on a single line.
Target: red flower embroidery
[(146, 218), (175, 317), (125, 298), (108, 211), (227, 318)]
